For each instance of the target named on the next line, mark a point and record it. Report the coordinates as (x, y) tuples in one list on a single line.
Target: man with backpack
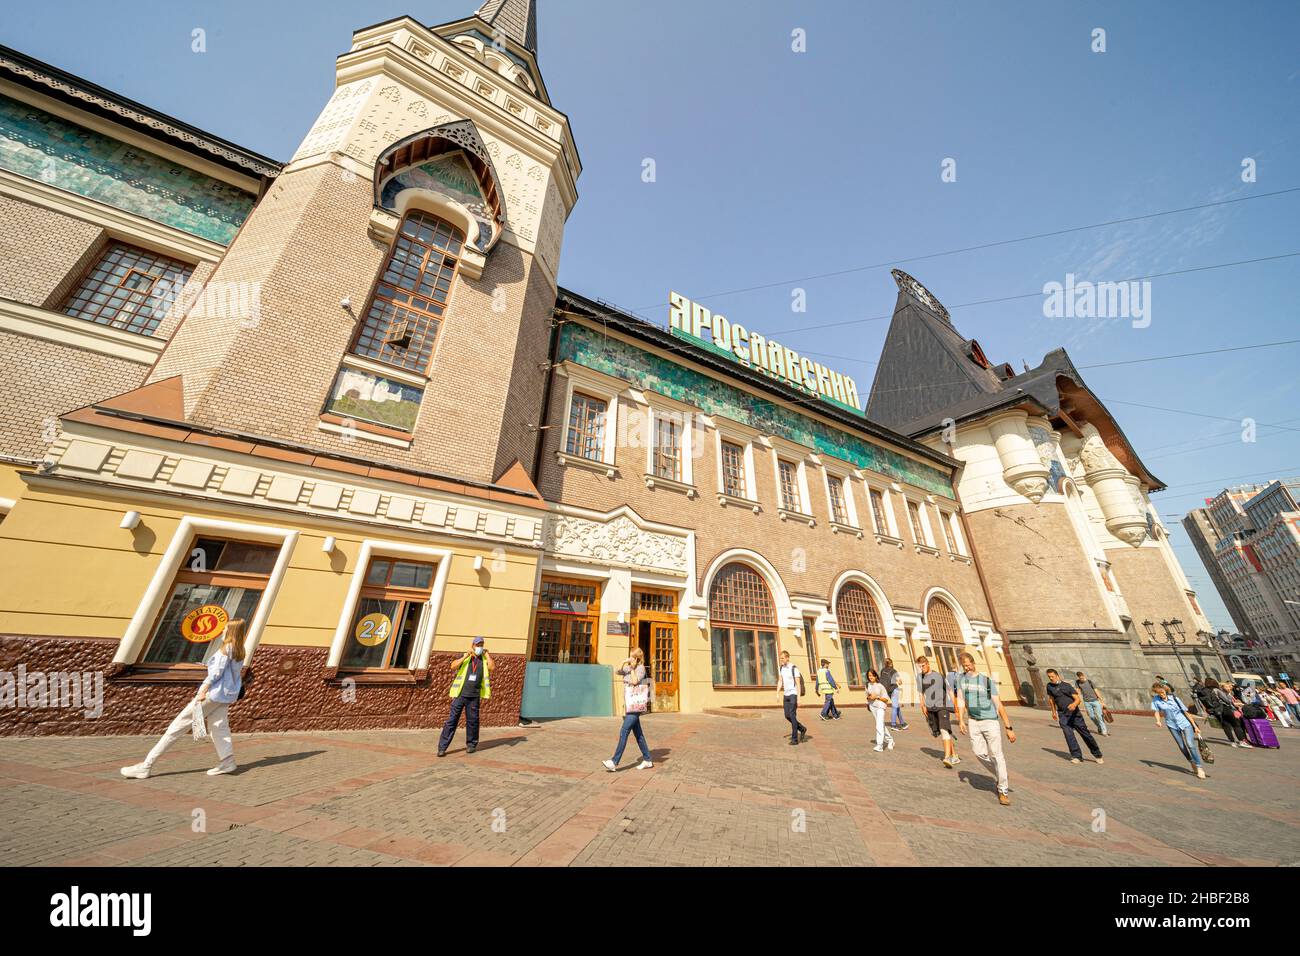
[(935, 692), (789, 684), (980, 712)]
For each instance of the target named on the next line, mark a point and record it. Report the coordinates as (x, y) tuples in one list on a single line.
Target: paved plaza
[(724, 791)]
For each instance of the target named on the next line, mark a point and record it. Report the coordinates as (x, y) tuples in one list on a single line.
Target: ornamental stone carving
[(617, 542)]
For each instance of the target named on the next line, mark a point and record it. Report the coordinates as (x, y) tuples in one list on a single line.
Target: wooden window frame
[(675, 460), (791, 497), (185, 575), (850, 634), (429, 321), (601, 433), (408, 597), (730, 625), (841, 510), (90, 311), (726, 471)]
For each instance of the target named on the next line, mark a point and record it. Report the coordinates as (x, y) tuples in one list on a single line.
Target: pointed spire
[(516, 19)]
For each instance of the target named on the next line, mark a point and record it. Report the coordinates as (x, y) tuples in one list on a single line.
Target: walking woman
[(218, 691), (636, 699), (878, 700), (1229, 715), (1181, 724)]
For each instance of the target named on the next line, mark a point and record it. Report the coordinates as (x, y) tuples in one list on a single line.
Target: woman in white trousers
[(218, 691), (878, 701)]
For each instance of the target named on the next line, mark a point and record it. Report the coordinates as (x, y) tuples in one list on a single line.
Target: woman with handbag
[(208, 713), (636, 698), (1181, 724), (1230, 715)]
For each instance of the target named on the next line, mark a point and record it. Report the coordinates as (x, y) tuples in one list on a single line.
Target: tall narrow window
[(406, 311), (128, 288), (587, 427), (668, 448), (918, 529), (789, 472), (878, 511), (946, 521), (387, 619), (839, 512), (733, 470)]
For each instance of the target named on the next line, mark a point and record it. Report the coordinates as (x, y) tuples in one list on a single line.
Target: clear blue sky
[(773, 165)]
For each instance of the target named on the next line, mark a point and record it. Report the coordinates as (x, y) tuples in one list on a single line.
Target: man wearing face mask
[(470, 685)]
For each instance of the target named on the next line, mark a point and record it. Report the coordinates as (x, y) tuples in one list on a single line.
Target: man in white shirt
[(789, 685)]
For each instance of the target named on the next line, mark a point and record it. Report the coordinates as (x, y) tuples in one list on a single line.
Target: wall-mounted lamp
[(130, 520), (345, 303), (328, 545), (478, 562)]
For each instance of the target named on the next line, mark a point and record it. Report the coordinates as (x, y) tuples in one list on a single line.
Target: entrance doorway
[(654, 630)]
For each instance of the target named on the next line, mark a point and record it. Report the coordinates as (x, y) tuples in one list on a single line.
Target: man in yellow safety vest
[(827, 687), (471, 684)]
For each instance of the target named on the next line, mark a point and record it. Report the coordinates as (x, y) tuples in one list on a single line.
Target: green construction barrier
[(568, 690)]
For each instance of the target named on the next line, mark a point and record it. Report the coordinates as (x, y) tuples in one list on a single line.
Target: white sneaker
[(645, 765), (137, 771), (609, 765), (226, 766), (877, 749), (947, 762), (1200, 772), (1099, 760), (1075, 760), (955, 760), (1248, 745), (890, 745)]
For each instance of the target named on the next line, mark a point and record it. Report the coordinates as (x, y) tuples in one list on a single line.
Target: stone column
[(1114, 488), (1022, 469)]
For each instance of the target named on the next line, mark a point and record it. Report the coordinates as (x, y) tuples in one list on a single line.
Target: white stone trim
[(50, 326), (967, 631), (374, 547), (137, 631), (890, 622)]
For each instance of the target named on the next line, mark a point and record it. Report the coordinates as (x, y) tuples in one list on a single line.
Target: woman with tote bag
[(637, 686), (207, 714)]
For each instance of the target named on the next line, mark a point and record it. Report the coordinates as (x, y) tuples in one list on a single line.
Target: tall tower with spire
[(391, 294)]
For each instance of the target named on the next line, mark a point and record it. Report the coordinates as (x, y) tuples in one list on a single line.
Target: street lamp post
[(1173, 636)]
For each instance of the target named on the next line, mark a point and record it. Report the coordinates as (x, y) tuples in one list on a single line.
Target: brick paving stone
[(722, 792)]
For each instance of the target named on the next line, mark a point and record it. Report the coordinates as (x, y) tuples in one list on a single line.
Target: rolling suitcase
[(1260, 733)]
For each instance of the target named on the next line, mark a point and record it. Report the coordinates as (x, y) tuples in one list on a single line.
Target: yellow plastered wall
[(71, 571)]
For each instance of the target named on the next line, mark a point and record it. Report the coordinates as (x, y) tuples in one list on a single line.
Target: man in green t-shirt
[(980, 708)]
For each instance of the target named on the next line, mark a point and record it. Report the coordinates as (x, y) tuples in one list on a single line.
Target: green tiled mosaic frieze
[(51, 150), (643, 369)]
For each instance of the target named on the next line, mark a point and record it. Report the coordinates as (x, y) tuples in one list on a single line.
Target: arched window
[(862, 635), (945, 634), (401, 325), (743, 620)]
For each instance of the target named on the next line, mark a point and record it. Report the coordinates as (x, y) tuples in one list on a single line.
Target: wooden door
[(663, 642)]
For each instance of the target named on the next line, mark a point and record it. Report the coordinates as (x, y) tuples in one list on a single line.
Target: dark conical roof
[(517, 19)]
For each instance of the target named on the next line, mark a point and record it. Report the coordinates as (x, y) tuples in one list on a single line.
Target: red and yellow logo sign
[(373, 629), (204, 623)]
